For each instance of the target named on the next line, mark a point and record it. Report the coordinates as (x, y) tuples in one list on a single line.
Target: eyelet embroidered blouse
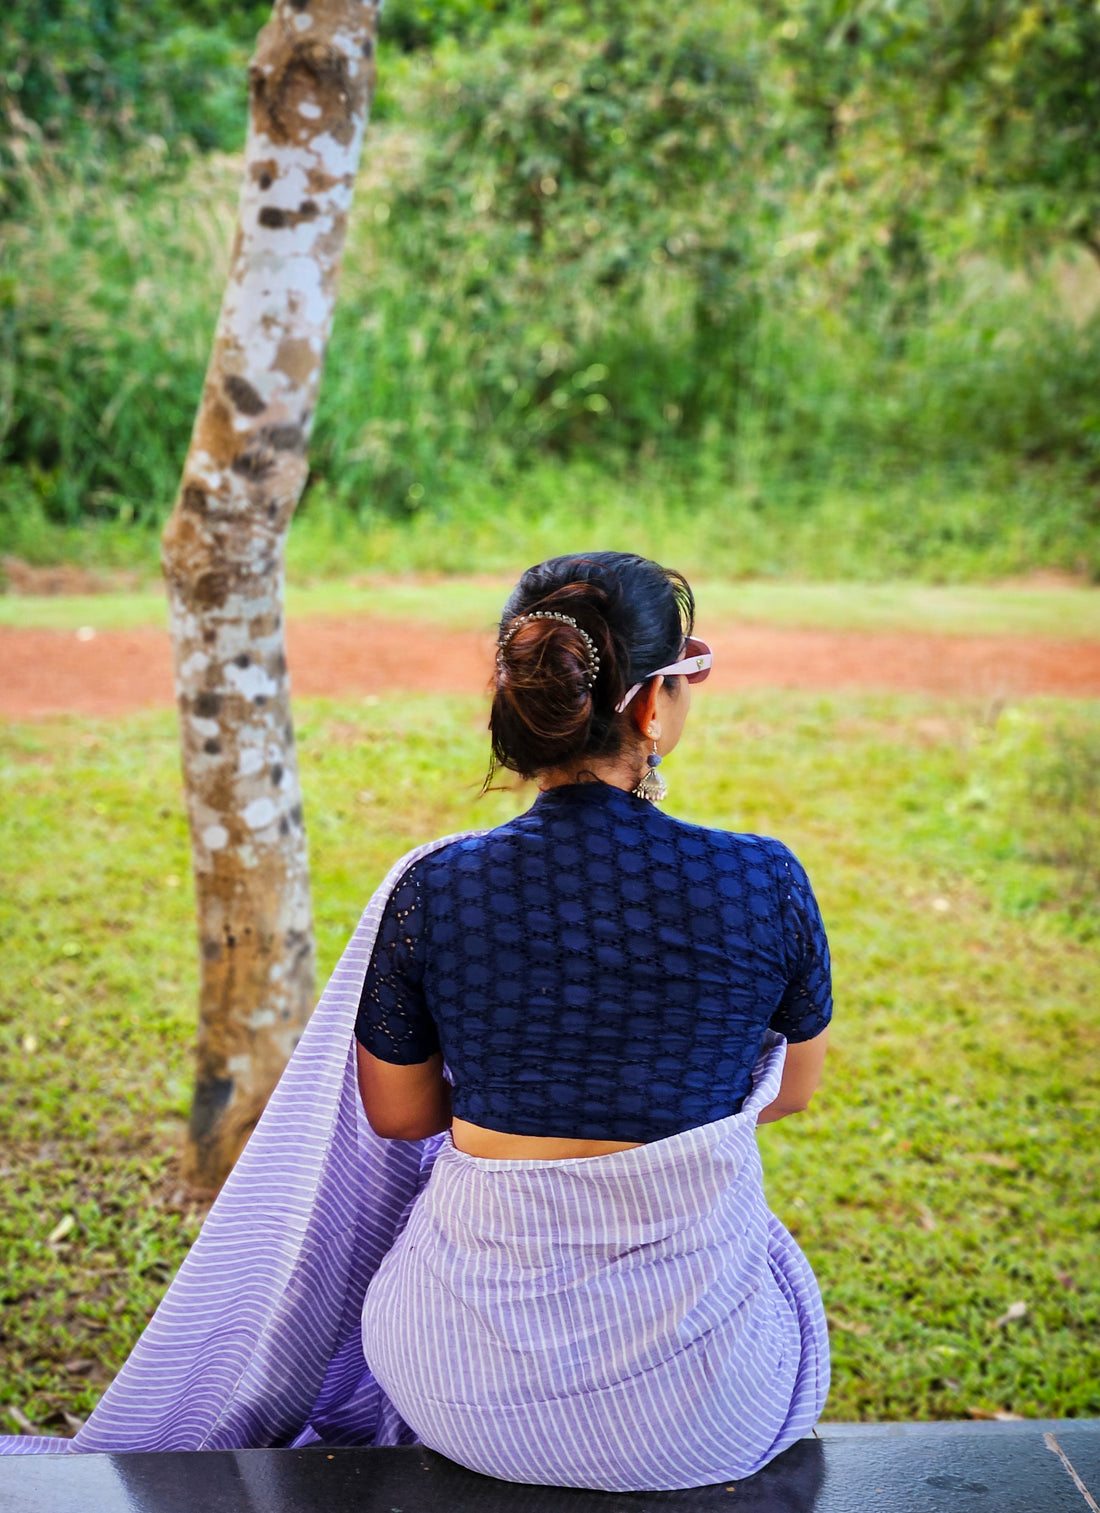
[(595, 969)]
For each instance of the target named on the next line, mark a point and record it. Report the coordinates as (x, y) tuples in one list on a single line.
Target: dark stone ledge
[(1025, 1467)]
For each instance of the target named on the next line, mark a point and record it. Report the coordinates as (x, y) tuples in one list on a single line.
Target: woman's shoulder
[(470, 850), (421, 859), (744, 845)]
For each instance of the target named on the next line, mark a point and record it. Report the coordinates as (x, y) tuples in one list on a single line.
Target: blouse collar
[(594, 792)]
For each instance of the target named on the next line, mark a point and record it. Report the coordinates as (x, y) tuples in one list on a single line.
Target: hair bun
[(570, 638), (544, 695), (593, 671)]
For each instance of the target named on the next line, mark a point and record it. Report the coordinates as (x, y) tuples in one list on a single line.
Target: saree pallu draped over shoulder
[(631, 1321)]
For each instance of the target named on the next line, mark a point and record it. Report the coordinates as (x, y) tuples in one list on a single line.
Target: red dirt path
[(45, 672)]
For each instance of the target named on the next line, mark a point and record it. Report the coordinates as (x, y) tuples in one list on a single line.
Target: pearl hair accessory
[(548, 614)]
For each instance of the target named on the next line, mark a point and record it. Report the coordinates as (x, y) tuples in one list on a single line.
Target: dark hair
[(547, 710)]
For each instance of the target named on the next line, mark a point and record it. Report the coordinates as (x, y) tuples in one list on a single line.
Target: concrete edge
[(827, 1431)]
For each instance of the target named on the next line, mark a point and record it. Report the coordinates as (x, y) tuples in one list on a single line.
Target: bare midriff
[(473, 1140)]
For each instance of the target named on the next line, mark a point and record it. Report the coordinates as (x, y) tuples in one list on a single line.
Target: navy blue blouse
[(595, 969)]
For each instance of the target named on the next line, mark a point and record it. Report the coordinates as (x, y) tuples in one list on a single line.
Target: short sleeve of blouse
[(807, 1003), (393, 1022)]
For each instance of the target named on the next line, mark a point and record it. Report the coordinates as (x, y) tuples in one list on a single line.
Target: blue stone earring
[(651, 785)]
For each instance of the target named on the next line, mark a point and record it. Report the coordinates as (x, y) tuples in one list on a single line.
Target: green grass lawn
[(947, 1171), (475, 603)]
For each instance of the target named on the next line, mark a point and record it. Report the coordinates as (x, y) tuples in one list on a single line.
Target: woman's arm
[(403, 1102), (801, 1075)]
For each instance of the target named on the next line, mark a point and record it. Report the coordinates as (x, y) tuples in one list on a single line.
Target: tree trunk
[(310, 84)]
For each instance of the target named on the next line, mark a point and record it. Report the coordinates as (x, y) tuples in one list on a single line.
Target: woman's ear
[(644, 710)]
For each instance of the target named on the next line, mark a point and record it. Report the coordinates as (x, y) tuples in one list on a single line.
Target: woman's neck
[(623, 771)]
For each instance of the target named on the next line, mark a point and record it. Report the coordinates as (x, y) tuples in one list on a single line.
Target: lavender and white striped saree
[(637, 1320)]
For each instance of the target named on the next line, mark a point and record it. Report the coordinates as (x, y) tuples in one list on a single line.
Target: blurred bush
[(777, 255), (84, 82)]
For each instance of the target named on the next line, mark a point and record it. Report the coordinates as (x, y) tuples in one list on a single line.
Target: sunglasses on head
[(696, 660)]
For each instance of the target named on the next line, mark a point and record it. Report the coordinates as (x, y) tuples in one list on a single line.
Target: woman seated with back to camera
[(591, 1290)]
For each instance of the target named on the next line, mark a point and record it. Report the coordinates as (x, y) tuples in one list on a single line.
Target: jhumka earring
[(651, 785)]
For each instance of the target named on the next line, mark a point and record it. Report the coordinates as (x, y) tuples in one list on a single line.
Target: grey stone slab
[(895, 1468), (943, 1472)]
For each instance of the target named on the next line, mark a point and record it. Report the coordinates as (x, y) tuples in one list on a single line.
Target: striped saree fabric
[(638, 1320), (632, 1321)]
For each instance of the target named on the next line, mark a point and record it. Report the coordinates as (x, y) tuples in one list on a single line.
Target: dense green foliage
[(947, 1169), (83, 82), (779, 261), (987, 107)]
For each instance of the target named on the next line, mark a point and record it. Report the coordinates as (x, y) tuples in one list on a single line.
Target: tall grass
[(965, 449)]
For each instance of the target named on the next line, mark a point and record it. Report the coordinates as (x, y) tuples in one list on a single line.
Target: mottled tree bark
[(310, 80)]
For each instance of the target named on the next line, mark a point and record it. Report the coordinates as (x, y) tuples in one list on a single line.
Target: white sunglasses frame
[(698, 662)]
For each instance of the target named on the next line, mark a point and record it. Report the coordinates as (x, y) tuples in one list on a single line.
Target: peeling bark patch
[(259, 814), (246, 398), (342, 131), (193, 498), (254, 462), (321, 182), (296, 358), (276, 219), (314, 73), (211, 589), (207, 705), (212, 1095), (288, 438)]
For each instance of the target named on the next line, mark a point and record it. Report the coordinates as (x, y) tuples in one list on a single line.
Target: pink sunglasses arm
[(626, 698), (697, 663)]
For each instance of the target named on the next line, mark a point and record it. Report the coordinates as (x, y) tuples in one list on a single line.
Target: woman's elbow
[(403, 1102), (798, 1103), (784, 1105), (403, 1128)]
